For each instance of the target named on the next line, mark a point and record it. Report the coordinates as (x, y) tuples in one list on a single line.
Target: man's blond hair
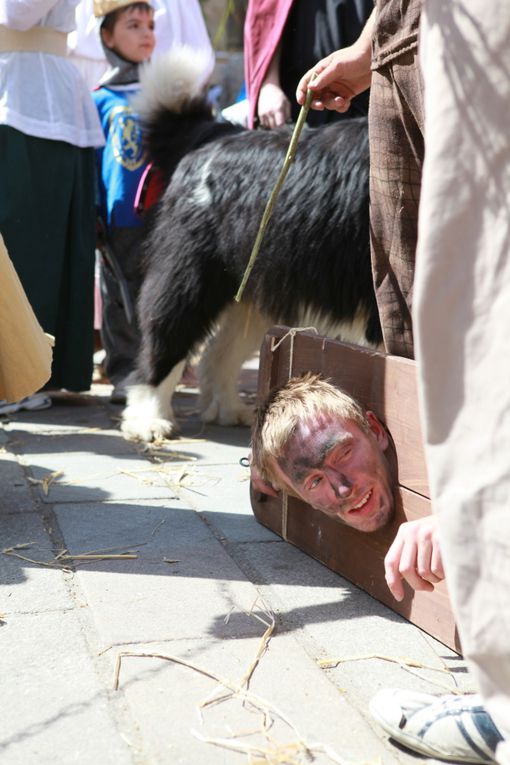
[(297, 401)]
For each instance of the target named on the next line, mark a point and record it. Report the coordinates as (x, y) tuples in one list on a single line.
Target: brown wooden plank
[(386, 385)]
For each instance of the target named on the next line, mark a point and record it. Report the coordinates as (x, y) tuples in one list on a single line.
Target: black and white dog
[(313, 268)]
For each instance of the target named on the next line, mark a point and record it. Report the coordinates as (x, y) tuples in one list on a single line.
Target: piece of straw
[(402, 660), (270, 752), (409, 665), (289, 158), (46, 482)]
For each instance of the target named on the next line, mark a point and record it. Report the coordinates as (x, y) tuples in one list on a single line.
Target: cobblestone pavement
[(196, 579)]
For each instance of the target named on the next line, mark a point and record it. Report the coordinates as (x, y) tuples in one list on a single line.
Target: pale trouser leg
[(462, 323)]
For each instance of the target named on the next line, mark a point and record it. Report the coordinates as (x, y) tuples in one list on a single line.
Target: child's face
[(132, 35)]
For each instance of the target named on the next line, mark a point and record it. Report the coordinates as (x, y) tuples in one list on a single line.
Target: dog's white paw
[(238, 414), (148, 415), (143, 429)]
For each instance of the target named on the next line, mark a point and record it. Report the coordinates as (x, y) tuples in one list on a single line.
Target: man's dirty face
[(336, 467)]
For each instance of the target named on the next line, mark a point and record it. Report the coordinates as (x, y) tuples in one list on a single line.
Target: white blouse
[(41, 94)]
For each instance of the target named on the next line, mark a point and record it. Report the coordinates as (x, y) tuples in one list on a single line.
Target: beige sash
[(34, 40)]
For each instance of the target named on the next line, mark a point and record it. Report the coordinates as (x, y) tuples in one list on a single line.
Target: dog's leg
[(240, 333), (148, 415)]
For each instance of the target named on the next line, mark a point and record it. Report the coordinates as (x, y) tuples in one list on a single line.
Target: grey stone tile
[(208, 444), (25, 586), (99, 441), (239, 527), (81, 412), (154, 527), (55, 711), (91, 477), (147, 598), (140, 601), (285, 679), (339, 620), (15, 495), (221, 493)]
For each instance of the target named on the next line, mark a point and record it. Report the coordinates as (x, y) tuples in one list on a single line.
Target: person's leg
[(47, 220), (396, 156), (73, 364), (36, 248), (462, 321), (119, 334)]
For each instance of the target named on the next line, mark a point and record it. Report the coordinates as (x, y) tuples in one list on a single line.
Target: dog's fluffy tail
[(173, 105), (170, 82)]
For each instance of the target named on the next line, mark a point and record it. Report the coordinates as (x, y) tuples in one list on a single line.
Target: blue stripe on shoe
[(469, 740), (487, 730)]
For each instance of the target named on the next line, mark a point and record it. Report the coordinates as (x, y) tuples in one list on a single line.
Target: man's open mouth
[(362, 502)]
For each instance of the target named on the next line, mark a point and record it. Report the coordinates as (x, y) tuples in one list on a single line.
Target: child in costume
[(127, 35), (179, 22)]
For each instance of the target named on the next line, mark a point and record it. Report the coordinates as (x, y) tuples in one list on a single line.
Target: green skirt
[(47, 219)]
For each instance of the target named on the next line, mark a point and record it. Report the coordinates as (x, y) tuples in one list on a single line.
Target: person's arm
[(273, 106), (341, 75), (415, 557), (25, 15)]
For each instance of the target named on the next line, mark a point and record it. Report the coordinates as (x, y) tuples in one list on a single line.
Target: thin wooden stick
[(289, 158)]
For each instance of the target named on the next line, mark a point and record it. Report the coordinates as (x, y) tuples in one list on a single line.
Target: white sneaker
[(453, 728), (30, 403)]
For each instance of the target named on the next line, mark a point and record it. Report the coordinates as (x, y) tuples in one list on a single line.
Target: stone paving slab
[(165, 697), (187, 503), (338, 620), (239, 526), (87, 477), (221, 493), (152, 528), (16, 494), (27, 587), (55, 711), (210, 446), (102, 441), (82, 412), (148, 599), (141, 602)]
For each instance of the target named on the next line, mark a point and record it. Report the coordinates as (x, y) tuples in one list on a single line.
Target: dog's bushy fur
[(313, 268)]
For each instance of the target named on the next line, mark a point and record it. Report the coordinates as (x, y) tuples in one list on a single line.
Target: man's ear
[(378, 430)]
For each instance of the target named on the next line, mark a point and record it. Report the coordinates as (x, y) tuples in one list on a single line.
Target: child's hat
[(102, 7)]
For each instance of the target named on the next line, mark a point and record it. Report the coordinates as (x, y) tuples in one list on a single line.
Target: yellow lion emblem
[(127, 138)]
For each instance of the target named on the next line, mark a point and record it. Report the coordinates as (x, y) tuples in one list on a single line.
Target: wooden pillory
[(387, 386)]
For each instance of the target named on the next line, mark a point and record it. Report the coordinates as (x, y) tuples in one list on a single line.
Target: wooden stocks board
[(387, 386)]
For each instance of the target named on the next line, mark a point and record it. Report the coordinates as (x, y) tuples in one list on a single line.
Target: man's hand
[(341, 75), (260, 485), (414, 556), (273, 106)]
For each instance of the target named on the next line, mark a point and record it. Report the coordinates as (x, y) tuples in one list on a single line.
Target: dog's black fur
[(314, 260)]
